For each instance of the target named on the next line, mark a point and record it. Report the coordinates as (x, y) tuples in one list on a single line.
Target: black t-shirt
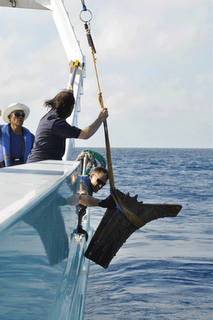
[(50, 138)]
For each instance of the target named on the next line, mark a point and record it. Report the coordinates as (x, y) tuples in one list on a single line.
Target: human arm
[(73, 200), (89, 131), (88, 201)]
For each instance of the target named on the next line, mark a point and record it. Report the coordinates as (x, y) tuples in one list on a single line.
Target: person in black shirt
[(53, 129)]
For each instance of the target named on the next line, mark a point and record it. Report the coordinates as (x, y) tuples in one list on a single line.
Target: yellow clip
[(76, 63)]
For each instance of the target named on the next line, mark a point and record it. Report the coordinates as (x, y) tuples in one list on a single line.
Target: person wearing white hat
[(16, 141)]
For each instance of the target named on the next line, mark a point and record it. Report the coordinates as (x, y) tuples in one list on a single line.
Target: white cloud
[(154, 63)]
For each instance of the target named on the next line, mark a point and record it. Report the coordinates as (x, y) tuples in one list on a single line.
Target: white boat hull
[(42, 263)]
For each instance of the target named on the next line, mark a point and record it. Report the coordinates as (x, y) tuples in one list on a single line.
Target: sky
[(154, 60)]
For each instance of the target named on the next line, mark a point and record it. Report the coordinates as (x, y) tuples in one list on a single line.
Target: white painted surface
[(23, 186)]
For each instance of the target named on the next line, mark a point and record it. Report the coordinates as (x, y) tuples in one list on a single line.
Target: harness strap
[(23, 146), (83, 5)]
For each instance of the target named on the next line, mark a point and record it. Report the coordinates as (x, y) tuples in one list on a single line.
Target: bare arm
[(89, 131), (88, 201)]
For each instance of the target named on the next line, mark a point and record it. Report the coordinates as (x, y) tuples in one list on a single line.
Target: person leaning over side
[(53, 129), (92, 183), (15, 140)]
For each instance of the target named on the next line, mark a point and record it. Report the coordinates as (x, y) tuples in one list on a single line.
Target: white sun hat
[(15, 106)]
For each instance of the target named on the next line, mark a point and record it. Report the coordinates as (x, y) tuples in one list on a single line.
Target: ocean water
[(165, 269)]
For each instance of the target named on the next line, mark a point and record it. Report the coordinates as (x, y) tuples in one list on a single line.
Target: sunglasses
[(99, 181), (19, 114)]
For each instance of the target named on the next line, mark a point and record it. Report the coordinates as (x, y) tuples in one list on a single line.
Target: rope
[(83, 5), (91, 162), (97, 156), (92, 156)]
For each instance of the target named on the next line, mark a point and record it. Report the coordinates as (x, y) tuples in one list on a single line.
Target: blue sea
[(165, 269)]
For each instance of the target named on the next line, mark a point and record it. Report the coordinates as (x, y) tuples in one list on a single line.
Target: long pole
[(100, 98)]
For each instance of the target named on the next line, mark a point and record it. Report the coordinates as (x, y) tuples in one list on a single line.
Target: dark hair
[(101, 169), (62, 103)]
